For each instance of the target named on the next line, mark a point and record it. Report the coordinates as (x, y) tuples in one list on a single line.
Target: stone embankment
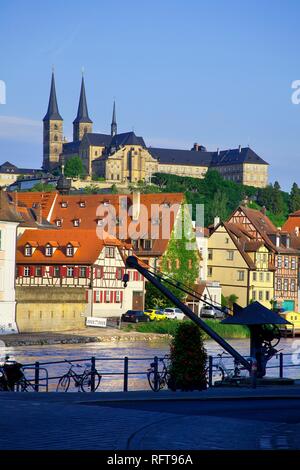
[(87, 335)]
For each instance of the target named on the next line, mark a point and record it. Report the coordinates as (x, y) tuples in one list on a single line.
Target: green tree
[(232, 299), (294, 200), (154, 298), (181, 259), (187, 359), (42, 187), (74, 168)]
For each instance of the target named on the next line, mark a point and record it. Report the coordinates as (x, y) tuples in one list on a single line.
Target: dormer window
[(81, 203), (28, 250), (109, 252), (58, 222), (106, 203), (48, 250), (64, 204), (76, 222), (70, 250), (100, 222)]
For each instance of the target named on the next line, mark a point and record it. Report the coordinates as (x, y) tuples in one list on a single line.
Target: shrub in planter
[(187, 359)]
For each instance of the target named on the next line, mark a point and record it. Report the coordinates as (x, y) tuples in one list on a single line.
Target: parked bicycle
[(12, 377), (222, 373), (158, 379), (82, 381)]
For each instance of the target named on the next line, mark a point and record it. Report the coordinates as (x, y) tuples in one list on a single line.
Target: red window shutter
[(63, 271), (87, 295), (20, 270), (101, 272), (101, 296), (115, 297), (31, 270), (43, 271), (94, 296), (111, 296), (51, 271), (88, 272), (76, 271), (121, 296)]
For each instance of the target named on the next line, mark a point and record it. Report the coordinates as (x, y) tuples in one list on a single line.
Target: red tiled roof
[(89, 246)]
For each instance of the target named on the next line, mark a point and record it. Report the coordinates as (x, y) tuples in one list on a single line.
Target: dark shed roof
[(255, 314)]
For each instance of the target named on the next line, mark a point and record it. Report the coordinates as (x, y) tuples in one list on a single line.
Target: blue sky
[(215, 72)]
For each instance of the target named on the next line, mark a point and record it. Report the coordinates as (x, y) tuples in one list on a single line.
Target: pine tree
[(294, 201)]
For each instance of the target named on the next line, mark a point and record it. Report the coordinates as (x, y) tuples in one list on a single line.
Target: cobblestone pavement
[(107, 421)]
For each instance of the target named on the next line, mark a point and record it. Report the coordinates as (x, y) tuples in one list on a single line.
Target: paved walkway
[(264, 418)]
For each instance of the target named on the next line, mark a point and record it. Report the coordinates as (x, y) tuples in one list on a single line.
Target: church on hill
[(124, 157)]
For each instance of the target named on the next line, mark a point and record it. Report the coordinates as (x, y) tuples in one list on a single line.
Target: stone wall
[(50, 309)]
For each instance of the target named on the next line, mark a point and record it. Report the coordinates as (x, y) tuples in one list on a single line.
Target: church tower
[(82, 123), (53, 132), (113, 126)]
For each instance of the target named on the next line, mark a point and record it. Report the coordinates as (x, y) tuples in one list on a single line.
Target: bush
[(187, 359)]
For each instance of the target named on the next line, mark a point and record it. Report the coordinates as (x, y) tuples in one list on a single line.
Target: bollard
[(125, 385), (253, 372), (210, 370), (36, 376), (156, 386), (93, 372), (281, 365)]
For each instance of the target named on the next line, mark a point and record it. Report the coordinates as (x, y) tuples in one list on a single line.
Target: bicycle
[(12, 377), (158, 380), (81, 381), (221, 373)]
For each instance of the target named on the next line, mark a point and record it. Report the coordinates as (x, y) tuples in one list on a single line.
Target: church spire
[(82, 124), (114, 122), (52, 112), (82, 113)]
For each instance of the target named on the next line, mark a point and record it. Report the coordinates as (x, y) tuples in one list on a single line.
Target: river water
[(110, 359)]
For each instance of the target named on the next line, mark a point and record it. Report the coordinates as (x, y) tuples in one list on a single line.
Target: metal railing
[(41, 378)]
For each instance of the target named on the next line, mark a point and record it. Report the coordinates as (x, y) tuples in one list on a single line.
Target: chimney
[(240, 148), (216, 221), (263, 210), (196, 147), (136, 205), (39, 218)]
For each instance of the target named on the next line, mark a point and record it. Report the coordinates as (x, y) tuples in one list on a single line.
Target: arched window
[(55, 127), (55, 138)]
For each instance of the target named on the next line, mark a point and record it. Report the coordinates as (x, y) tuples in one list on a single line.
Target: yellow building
[(241, 264)]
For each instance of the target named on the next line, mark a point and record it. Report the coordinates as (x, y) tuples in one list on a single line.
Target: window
[(279, 284), (118, 296), (28, 250), (240, 275), (261, 277), (286, 262), (254, 276), (64, 204), (48, 250), (69, 250), (267, 295), (119, 274), (226, 240), (82, 271), (209, 271), (147, 244), (70, 271), (58, 222), (82, 204), (109, 252), (38, 271), (279, 262), (97, 295), (268, 277), (230, 254), (76, 222), (107, 296), (293, 285), (209, 254), (56, 271), (254, 295), (260, 295), (293, 263), (285, 284), (26, 271)]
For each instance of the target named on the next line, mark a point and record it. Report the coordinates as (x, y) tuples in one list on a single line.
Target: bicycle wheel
[(23, 385), (63, 383), (217, 374), (151, 379), (86, 381)]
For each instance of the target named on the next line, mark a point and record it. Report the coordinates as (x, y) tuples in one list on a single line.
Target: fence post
[(36, 376), (156, 386), (125, 386), (210, 369), (281, 365), (93, 372)]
